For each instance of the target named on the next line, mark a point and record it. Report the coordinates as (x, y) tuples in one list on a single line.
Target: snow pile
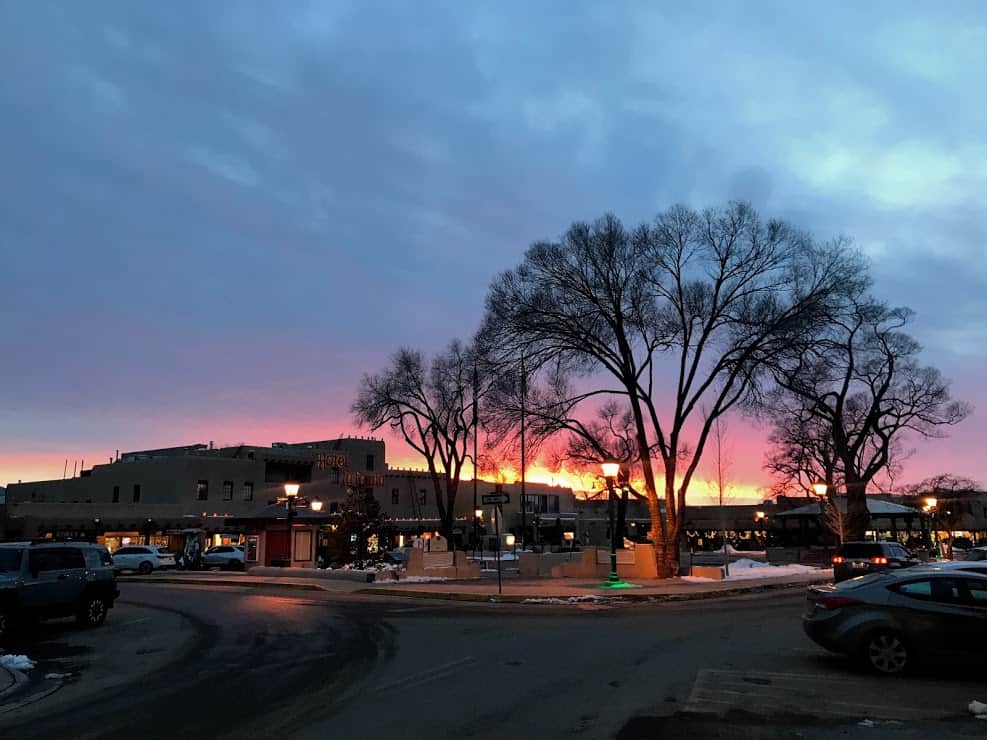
[(422, 579), (570, 600), (16, 662), (747, 569)]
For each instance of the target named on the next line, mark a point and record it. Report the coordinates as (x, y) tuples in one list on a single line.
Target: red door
[(276, 549)]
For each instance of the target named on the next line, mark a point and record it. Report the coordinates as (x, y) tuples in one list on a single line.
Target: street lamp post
[(291, 493), (477, 520), (611, 468)]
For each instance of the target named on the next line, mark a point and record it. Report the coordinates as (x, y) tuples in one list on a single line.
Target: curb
[(645, 598), (214, 582)]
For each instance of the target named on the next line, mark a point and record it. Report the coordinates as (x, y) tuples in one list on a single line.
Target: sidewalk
[(515, 590)]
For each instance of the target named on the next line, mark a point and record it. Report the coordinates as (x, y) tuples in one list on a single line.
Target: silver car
[(894, 619)]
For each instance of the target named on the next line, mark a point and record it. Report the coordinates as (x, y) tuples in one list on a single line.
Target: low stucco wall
[(535, 564), (638, 562), (441, 565)]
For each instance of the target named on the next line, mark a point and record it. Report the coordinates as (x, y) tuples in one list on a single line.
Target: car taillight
[(836, 602), (879, 561), (837, 559)]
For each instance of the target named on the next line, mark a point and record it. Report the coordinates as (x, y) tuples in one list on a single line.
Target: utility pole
[(476, 465), (524, 505)]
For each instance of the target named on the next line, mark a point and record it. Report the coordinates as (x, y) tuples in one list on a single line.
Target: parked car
[(397, 557), (45, 580), (892, 619), (966, 566), (228, 557), (143, 558), (860, 558), (974, 553)]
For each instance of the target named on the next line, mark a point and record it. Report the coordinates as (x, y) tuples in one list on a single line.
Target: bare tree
[(942, 483), (851, 394), (722, 463), (718, 293), (834, 518), (432, 404)]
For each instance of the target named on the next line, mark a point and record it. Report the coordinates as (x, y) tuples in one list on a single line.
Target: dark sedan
[(859, 558), (892, 619)]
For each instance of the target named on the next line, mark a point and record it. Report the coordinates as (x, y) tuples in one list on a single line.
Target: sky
[(215, 217)]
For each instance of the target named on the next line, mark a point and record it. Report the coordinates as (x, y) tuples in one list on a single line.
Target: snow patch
[(422, 579), (55, 676), (570, 600), (16, 662)]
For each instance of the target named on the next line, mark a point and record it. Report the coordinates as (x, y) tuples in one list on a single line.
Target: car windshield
[(10, 560)]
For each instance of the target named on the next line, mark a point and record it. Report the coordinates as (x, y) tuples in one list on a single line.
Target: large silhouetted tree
[(848, 397), (431, 402), (671, 316)]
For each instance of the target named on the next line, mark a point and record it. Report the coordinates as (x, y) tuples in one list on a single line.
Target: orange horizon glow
[(585, 483)]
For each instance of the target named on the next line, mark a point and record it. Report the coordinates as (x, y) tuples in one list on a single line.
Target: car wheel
[(93, 612), (886, 652), (145, 568)]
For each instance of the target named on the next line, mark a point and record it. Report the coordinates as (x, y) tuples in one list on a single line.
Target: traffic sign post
[(496, 499), (500, 511)]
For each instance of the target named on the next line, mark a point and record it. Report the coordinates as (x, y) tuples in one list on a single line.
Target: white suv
[(143, 558)]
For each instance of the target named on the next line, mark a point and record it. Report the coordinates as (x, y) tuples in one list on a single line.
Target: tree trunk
[(857, 517), (667, 552)]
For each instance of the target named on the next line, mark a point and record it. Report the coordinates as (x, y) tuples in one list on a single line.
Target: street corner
[(53, 664)]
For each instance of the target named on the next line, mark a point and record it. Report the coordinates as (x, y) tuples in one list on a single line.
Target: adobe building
[(153, 495), (223, 495)]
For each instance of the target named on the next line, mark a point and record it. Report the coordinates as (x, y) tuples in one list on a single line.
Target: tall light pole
[(524, 503), (611, 469), (476, 465), (291, 493)]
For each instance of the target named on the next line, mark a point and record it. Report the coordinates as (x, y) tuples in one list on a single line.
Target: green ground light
[(617, 585)]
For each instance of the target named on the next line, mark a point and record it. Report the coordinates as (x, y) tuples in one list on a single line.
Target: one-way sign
[(496, 498)]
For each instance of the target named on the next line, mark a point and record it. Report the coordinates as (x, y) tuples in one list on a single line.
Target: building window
[(116, 494), (248, 491), (421, 496), (227, 490), (395, 495), (137, 492), (370, 462), (334, 475), (202, 490)]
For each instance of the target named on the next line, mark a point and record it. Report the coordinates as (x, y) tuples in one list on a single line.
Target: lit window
[(202, 490)]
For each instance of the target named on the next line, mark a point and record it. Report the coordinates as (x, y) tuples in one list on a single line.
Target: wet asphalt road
[(234, 662)]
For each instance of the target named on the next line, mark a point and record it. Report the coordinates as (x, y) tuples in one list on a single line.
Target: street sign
[(496, 498)]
